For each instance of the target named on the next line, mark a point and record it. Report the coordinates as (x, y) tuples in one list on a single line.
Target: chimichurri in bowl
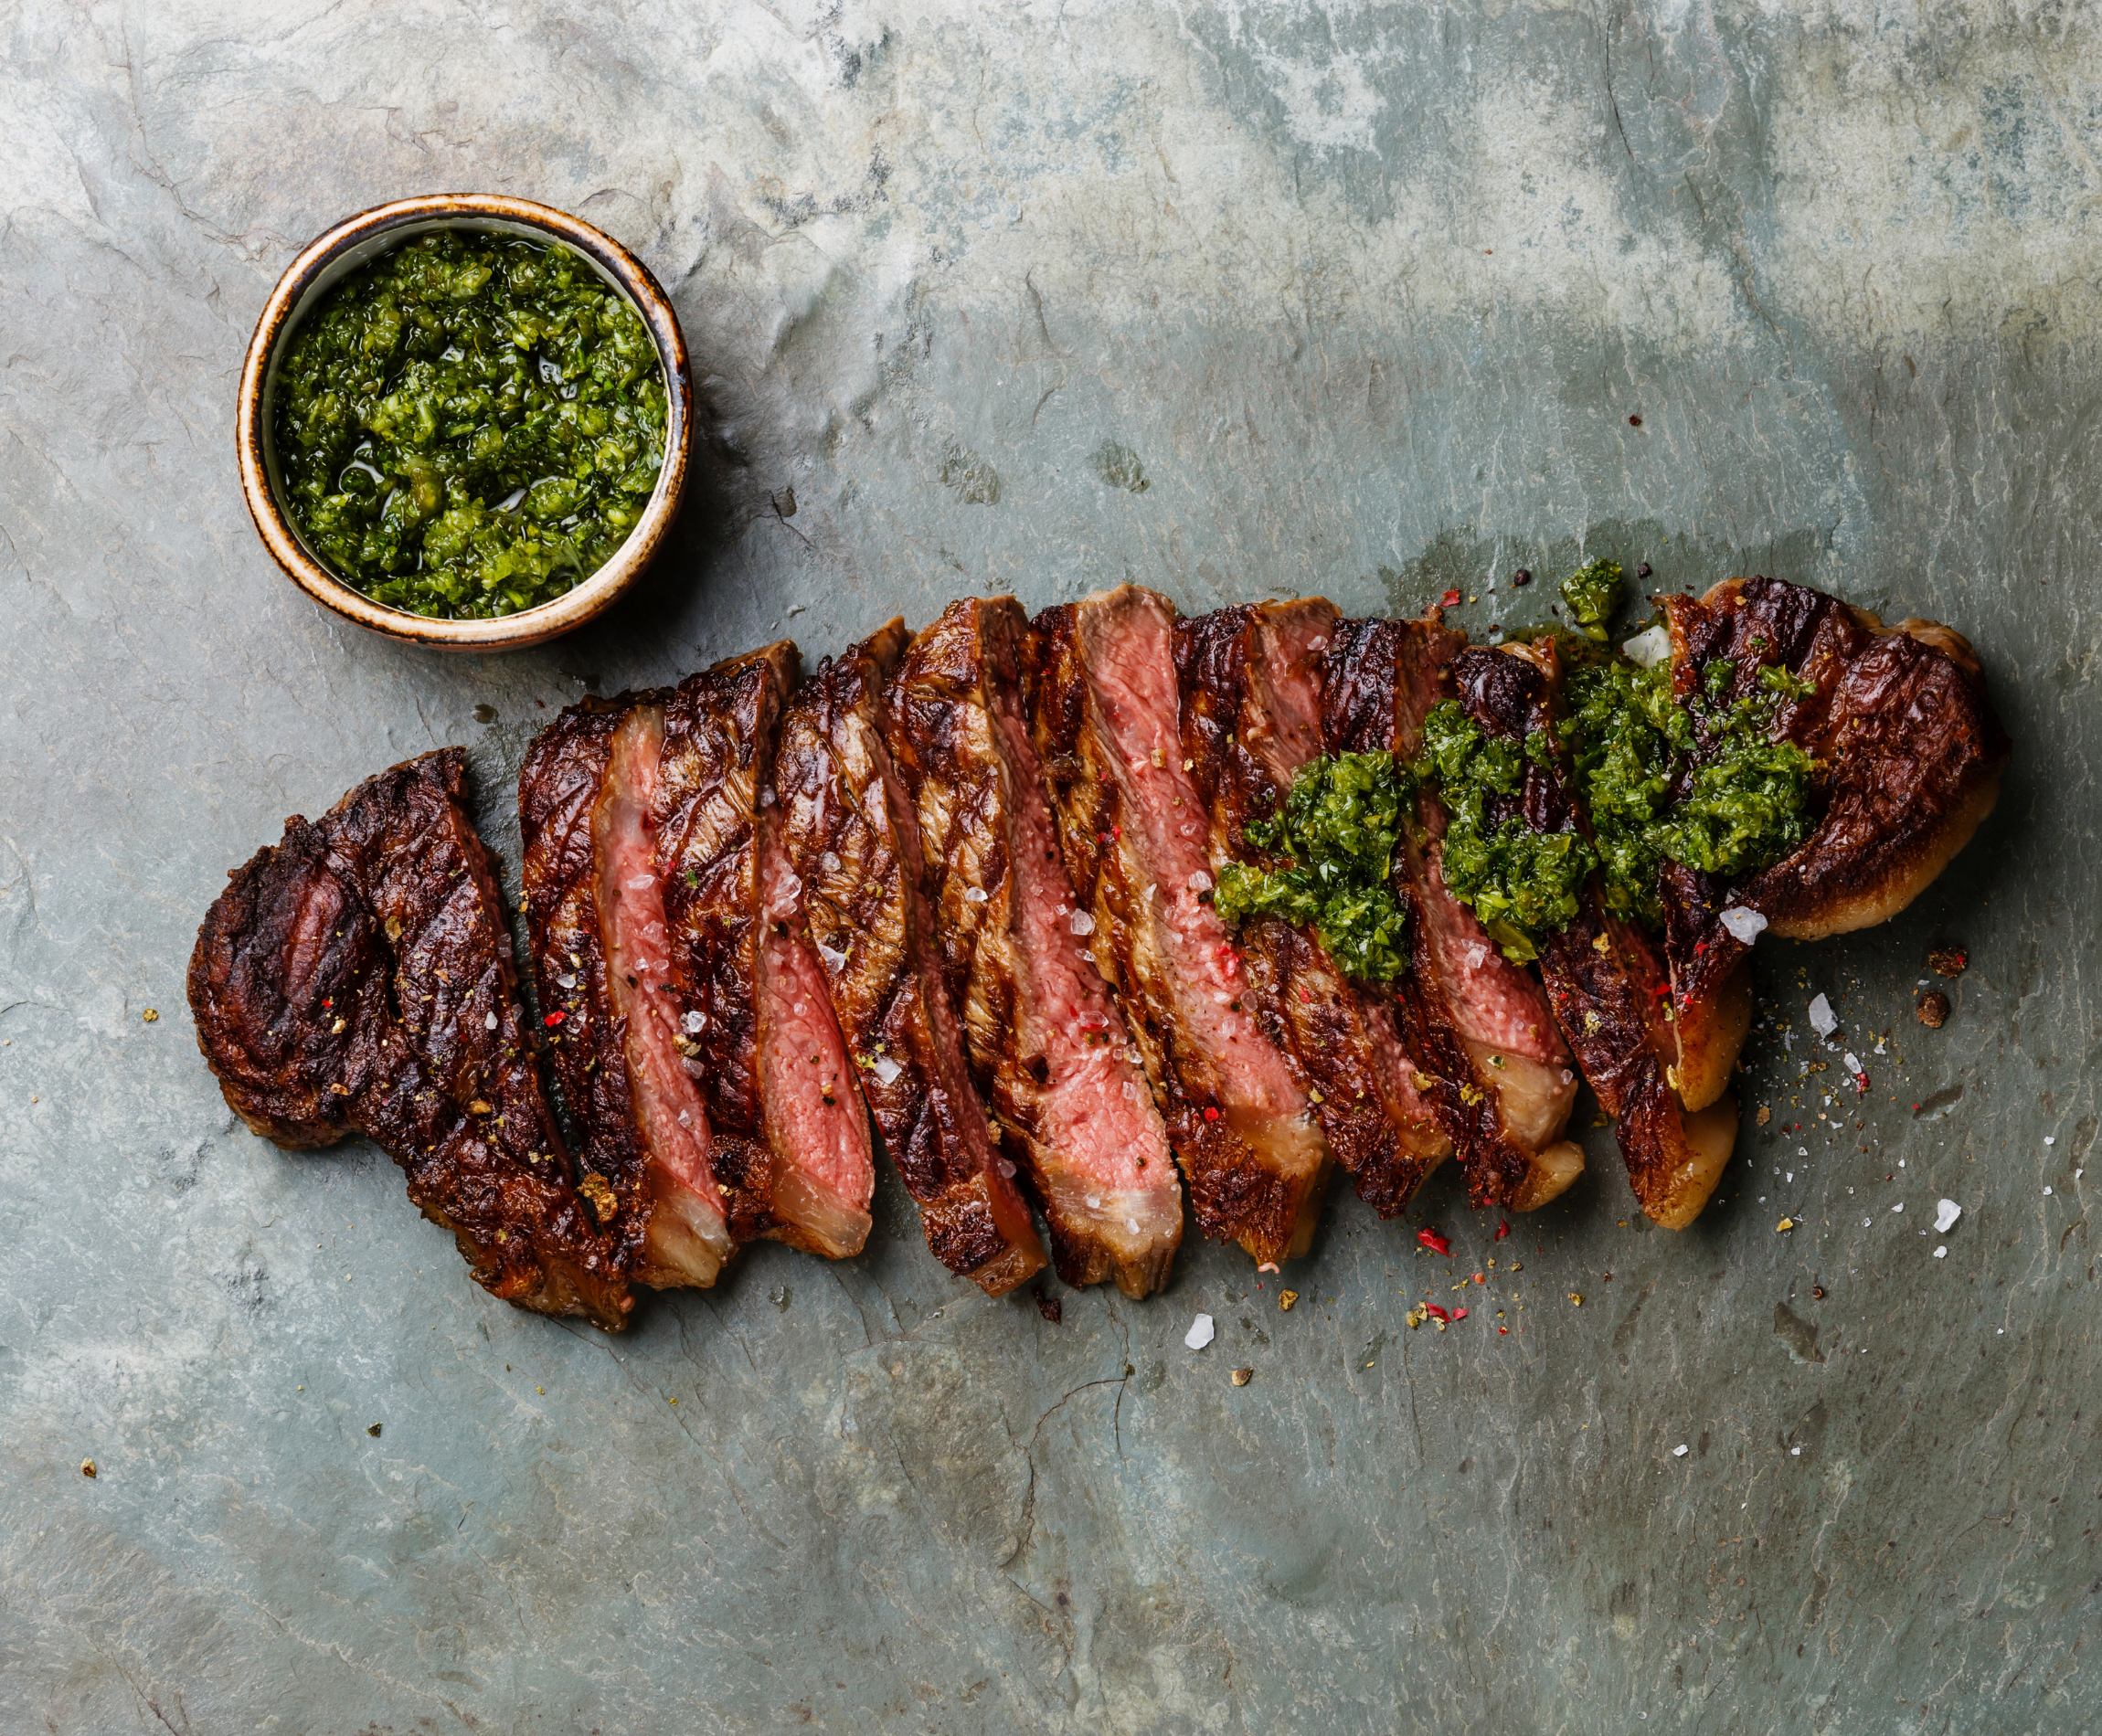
[(464, 420)]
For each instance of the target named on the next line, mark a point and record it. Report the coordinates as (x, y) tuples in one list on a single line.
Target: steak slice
[(1101, 679), (1047, 1045), (595, 915), (1251, 697), (1908, 754), (356, 979), (791, 1152), (1605, 980), (852, 844), (1478, 1027)]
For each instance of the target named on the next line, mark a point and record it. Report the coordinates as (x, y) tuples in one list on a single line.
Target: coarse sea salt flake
[(1202, 882), (1823, 1020), (975, 894), (1745, 925), (886, 1070), (1648, 648), (1678, 1452), (1941, 1253), (1946, 1213), (490, 1023), (1081, 922), (1201, 1332), (1899, 1206)]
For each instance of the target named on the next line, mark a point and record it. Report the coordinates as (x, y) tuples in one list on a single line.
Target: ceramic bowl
[(350, 244)]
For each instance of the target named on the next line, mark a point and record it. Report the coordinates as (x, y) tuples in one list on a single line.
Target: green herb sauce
[(1743, 798), (1593, 593), (1523, 886), (1336, 834), (469, 424)]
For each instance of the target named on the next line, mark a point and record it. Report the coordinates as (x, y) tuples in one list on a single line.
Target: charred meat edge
[(1605, 979), (595, 916), (750, 1013), (1476, 1027), (1910, 754), (1252, 687), (356, 979), (852, 840), (1105, 710), (1048, 1047)]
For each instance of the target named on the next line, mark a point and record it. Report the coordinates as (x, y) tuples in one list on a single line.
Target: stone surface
[(1237, 303)]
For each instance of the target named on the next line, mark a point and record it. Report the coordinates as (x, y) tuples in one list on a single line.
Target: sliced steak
[(1047, 1046), (1251, 698), (356, 979), (1605, 980), (852, 844), (748, 1002), (1909, 751), (595, 915), (1136, 831), (1478, 1027)]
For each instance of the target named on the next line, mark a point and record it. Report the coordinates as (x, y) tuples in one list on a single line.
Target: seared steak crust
[(1909, 755), (853, 842), (1606, 980), (1238, 734), (1240, 1125), (719, 735), (1048, 1047), (1463, 1008), (356, 979)]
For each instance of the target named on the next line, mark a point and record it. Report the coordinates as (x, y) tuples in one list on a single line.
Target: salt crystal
[(694, 1021), (832, 956), (1200, 1333), (1795, 1452), (1202, 882), (2046, 1191), (1946, 1214), (1823, 1020), (1853, 1061), (975, 894), (1745, 925), (1941, 1253), (639, 883), (1081, 922), (1899, 1206), (1648, 648), (565, 980), (829, 861), (490, 1023), (1678, 1452), (2051, 1139), (886, 1070)]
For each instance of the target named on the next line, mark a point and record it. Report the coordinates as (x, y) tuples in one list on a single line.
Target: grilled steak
[(1605, 980), (852, 844), (1047, 1046), (1489, 1060), (1251, 694), (356, 979), (595, 914), (1105, 713), (1910, 754), (792, 1153)]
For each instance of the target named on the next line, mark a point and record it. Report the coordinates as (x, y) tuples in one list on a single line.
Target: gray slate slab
[(1237, 303)]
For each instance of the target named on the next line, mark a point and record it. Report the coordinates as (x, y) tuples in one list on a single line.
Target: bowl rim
[(310, 273)]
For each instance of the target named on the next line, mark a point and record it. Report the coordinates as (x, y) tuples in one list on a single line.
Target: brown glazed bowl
[(350, 244)]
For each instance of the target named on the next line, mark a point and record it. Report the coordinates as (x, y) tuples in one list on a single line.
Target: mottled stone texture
[(1235, 302)]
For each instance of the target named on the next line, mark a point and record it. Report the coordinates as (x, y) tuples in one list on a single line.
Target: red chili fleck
[(1503, 1230), (1434, 1241), (1663, 989), (1504, 1330), (1435, 1312), (555, 1019), (329, 1005), (1451, 599), (1698, 948), (1116, 832), (1306, 998), (1211, 1114), (1459, 1314), (1480, 1279)]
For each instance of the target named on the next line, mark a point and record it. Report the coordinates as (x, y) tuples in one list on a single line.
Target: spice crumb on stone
[(1948, 960), (1286, 1299), (374, 1431), (1932, 1008), (1243, 1376), (151, 1016), (88, 1467)]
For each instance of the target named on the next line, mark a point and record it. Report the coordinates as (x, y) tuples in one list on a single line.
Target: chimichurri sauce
[(469, 424)]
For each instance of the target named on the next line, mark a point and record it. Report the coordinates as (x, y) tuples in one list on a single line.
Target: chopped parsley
[(1335, 838), (469, 424), (1593, 593), (1522, 884)]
